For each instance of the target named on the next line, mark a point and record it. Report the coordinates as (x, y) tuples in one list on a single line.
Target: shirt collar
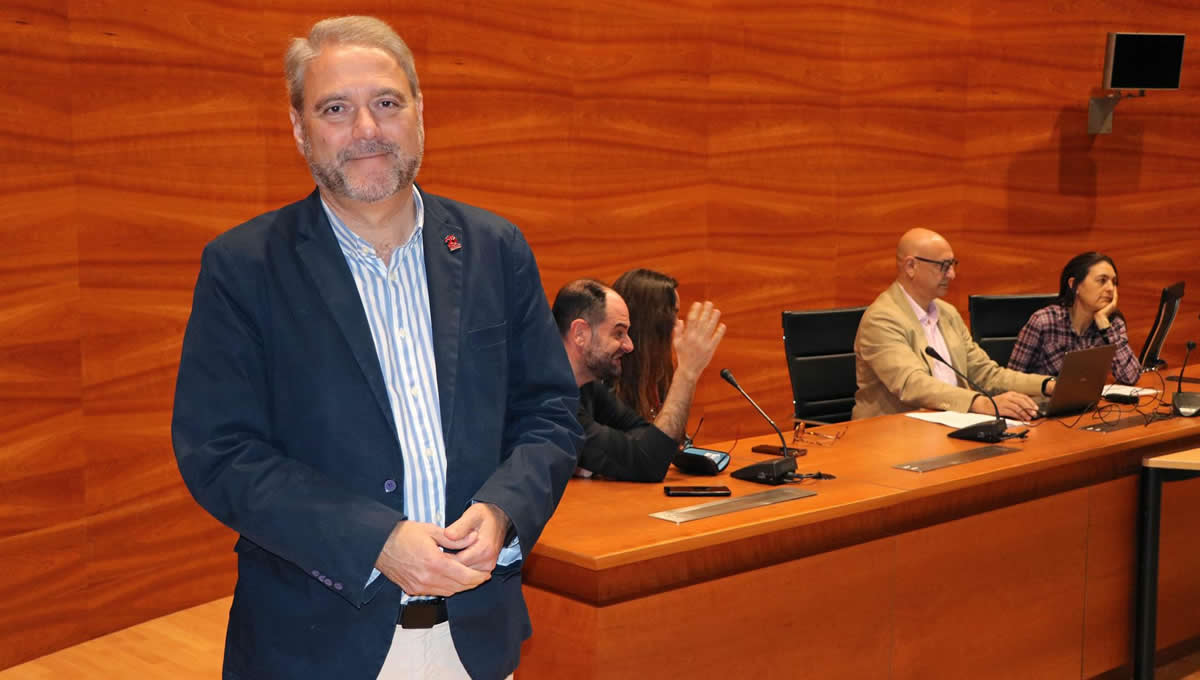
[(356, 246), (923, 315)]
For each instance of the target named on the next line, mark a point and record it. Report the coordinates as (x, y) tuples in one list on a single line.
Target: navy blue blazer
[(282, 431)]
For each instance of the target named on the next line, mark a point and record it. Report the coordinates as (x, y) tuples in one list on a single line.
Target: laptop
[(1080, 381)]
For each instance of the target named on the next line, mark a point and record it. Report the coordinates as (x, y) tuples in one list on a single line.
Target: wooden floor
[(188, 645)]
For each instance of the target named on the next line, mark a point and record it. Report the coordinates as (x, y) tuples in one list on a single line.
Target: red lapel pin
[(452, 243)]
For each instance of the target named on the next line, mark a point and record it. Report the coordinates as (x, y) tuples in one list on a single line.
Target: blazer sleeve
[(541, 433), (620, 444), (885, 345), (224, 444)]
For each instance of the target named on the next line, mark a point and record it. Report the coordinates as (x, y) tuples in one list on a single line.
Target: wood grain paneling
[(168, 152), (768, 155), (1179, 562), (1023, 565), (1111, 570), (43, 536), (44, 606), (827, 631)]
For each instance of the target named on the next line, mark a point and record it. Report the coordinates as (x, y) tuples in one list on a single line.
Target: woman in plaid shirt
[(1085, 315)]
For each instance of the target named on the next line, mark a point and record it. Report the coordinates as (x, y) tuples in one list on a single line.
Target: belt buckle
[(422, 613)]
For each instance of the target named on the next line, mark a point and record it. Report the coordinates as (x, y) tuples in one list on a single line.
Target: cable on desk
[(1060, 421), (1114, 412)]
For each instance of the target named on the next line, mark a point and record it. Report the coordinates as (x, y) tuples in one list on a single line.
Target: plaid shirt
[(1048, 336)]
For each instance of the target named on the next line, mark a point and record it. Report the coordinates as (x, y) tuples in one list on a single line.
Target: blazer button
[(389, 486), (327, 581), (316, 574), (337, 585)]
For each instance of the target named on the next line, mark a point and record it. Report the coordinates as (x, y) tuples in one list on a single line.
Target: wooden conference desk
[(1018, 566)]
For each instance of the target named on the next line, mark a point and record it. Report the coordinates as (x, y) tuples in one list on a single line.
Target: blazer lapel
[(318, 249), (443, 245), (919, 343), (958, 351)]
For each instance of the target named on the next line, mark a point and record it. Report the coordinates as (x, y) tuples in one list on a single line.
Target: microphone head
[(1191, 345), (933, 353), (727, 376)]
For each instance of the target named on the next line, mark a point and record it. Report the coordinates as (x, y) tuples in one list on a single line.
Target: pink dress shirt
[(928, 318)]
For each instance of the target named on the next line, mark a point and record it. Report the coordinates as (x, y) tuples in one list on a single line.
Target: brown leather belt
[(422, 613)]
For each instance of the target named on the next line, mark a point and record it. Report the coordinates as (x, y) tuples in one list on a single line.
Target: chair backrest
[(820, 353), (996, 320), (1168, 308)]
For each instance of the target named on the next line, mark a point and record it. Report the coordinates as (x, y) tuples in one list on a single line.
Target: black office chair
[(820, 354), (997, 319), (1168, 308)]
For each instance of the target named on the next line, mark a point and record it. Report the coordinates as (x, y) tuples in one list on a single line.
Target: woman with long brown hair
[(646, 373)]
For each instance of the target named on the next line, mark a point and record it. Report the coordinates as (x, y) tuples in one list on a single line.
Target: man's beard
[(332, 175), (603, 367)]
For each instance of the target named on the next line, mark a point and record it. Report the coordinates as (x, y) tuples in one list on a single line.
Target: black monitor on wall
[(1143, 61)]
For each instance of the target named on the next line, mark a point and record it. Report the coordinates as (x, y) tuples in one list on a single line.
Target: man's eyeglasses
[(944, 265), (800, 434)]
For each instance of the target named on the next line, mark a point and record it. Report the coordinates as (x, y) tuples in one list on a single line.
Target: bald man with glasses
[(894, 373)]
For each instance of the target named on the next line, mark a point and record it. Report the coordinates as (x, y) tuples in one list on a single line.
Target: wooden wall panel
[(43, 536), (1179, 562), (1112, 571), (1111, 574), (1022, 564), (169, 152), (766, 154), (772, 208), (831, 630)]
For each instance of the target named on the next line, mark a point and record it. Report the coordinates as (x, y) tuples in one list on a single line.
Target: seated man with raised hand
[(620, 444), (894, 373)]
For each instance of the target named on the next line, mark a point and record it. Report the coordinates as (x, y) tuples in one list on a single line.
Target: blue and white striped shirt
[(395, 298)]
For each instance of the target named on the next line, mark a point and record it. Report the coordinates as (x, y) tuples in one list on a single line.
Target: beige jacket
[(894, 374)]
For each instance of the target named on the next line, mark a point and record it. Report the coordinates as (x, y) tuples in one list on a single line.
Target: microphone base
[(989, 432), (772, 472), (1186, 404)]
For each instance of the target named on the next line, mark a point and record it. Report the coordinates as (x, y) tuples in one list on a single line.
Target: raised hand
[(696, 339)]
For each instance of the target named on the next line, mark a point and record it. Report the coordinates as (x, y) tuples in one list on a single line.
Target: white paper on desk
[(958, 419), (1128, 390)]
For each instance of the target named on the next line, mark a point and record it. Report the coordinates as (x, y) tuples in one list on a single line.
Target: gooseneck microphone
[(784, 450), (990, 432), (1191, 345), (1185, 403)]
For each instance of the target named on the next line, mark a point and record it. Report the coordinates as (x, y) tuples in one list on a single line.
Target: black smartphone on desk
[(696, 490)]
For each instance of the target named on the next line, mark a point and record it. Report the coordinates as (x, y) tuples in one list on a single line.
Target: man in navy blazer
[(373, 393)]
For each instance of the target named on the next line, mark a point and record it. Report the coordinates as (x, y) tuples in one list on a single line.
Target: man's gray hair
[(352, 30)]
